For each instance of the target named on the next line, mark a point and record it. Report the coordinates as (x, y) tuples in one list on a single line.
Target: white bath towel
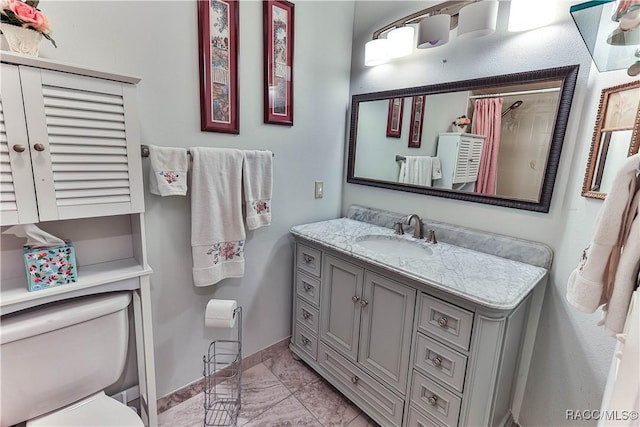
[(437, 168), (592, 282), (258, 186), (168, 171), (416, 170), (217, 229)]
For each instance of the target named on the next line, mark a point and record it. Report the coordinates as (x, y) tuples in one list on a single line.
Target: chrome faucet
[(417, 231)]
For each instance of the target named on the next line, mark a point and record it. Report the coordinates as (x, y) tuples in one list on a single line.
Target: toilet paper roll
[(220, 313)]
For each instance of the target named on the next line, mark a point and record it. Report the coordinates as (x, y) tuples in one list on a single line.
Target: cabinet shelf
[(95, 278)]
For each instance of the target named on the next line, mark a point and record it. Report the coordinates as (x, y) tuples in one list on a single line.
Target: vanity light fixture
[(478, 19), (400, 33), (527, 15), (434, 31), (400, 41)]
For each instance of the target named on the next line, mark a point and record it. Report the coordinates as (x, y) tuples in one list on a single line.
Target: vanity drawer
[(418, 419), (308, 288), (434, 400), (448, 322), (307, 315), (309, 259), (440, 362), (306, 340), (377, 398)]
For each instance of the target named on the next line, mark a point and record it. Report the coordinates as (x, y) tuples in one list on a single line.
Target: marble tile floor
[(279, 391)]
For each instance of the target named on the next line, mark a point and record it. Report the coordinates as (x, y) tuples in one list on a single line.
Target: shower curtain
[(487, 121)]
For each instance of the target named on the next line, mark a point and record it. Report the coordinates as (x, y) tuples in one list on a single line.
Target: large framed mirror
[(494, 140), (615, 137)]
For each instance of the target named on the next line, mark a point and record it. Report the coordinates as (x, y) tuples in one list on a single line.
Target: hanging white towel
[(217, 229), (168, 171), (416, 170), (437, 168), (258, 186)]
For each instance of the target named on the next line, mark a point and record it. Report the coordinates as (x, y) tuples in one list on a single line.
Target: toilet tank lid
[(58, 315)]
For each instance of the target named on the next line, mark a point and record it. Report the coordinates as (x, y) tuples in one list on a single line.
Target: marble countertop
[(484, 279)]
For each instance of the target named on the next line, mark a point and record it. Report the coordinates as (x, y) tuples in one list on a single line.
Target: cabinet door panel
[(17, 194), (340, 305), (385, 331), (84, 125)]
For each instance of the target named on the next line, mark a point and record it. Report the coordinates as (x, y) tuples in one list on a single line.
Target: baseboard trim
[(196, 387)]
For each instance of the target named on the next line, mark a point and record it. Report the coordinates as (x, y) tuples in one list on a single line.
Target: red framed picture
[(218, 22), (417, 117), (394, 117), (278, 68)]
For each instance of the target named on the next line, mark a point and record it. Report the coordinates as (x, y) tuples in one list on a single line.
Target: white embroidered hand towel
[(258, 186), (436, 172), (168, 171), (217, 230)]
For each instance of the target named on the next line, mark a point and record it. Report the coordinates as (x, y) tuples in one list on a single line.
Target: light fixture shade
[(526, 15), (376, 52), (400, 41), (434, 31), (478, 19)]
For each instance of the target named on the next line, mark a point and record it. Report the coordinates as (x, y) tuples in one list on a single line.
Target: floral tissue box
[(50, 266)]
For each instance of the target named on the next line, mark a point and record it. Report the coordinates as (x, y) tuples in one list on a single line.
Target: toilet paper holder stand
[(222, 379)]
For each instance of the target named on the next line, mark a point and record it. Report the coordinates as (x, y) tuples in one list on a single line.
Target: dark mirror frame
[(568, 75)]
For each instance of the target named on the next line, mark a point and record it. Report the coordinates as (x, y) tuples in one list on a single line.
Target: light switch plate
[(319, 189)]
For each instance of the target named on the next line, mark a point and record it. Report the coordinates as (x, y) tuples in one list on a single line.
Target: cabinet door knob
[(437, 361), (307, 287), (308, 259), (305, 341), (354, 379), (38, 147), (364, 302), (19, 148), (433, 400), (355, 298), (306, 314), (443, 321)]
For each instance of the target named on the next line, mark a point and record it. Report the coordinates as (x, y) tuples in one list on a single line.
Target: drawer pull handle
[(306, 341), (38, 147), (308, 259), (355, 298), (433, 400), (442, 322), (364, 302), (437, 361), (354, 379), (307, 287), (306, 314), (18, 148)]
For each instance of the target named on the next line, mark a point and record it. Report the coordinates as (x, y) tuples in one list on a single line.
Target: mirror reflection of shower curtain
[(487, 121)]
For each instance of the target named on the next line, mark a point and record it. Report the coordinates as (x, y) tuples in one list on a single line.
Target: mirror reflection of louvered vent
[(88, 146)]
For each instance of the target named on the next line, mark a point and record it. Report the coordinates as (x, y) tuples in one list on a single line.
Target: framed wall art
[(394, 118), (218, 22), (278, 18), (417, 118)]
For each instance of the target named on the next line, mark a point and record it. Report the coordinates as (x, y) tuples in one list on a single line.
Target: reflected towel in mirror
[(419, 170)]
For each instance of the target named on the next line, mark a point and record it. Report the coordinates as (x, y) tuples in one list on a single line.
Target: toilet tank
[(59, 353)]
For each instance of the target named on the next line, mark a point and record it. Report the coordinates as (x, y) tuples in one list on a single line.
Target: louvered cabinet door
[(17, 194), (84, 144)]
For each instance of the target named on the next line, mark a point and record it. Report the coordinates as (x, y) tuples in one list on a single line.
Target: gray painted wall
[(157, 40), (572, 355)]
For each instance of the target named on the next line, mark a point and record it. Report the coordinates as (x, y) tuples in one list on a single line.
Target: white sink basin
[(395, 246)]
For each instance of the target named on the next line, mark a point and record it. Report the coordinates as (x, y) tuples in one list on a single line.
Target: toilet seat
[(98, 410)]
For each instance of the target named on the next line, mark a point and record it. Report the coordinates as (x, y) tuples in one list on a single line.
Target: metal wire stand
[(222, 378)]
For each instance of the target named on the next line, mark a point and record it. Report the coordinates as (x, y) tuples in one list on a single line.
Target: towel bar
[(144, 151)]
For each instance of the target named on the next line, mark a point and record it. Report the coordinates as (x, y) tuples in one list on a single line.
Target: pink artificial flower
[(29, 15)]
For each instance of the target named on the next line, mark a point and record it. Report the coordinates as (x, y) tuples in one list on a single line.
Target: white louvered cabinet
[(69, 149), (459, 155)]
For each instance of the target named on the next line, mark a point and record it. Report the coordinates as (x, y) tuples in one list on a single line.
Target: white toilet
[(55, 361)]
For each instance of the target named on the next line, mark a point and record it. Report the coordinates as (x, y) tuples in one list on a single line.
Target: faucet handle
[(397, 228), (431, 236)]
